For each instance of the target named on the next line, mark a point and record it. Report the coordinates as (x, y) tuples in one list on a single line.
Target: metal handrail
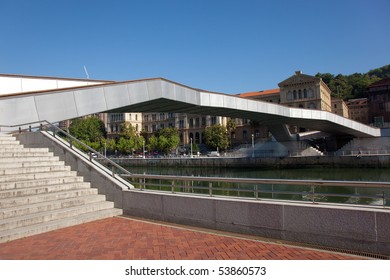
[(91, 151), (256, 183)]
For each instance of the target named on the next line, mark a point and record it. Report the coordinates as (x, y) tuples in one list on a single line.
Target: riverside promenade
[(126, 238)]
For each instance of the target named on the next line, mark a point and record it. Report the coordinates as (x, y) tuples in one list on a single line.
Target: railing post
[(29, 128), (172, 187), (20, 130), (384, 199), (113, 171), (256, 192), (312, 194), (210, 188), (71, 143)]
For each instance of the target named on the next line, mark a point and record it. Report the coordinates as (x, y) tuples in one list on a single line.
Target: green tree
[(231, 127), (129, 140), (90, 131), (216, 137), (164, 140)]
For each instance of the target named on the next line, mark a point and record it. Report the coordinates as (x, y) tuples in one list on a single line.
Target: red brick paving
[(122, 239)]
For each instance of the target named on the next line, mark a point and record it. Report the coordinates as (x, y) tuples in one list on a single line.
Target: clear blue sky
[(224, 46)]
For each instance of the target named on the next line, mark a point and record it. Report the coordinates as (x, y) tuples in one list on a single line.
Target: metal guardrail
[(259, 188), (70, 140), (241, 187)]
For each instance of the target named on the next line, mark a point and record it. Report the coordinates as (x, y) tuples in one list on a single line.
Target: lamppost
[(253, 145), (143, 148), (191, 147)]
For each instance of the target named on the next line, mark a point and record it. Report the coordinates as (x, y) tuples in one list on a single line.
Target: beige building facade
[(304, 91)]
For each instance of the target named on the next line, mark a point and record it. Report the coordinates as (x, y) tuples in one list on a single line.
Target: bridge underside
[(160, 95)]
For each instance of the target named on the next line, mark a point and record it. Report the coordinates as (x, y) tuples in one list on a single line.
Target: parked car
[(213, 154)]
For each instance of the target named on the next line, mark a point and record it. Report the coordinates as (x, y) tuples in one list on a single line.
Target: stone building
[(378, 95), (304, 91), (339, 107), (358, 110)]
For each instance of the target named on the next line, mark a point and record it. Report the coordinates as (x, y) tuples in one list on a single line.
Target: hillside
[(355, 85)]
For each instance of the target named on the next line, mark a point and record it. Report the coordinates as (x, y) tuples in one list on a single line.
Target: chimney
[(298, 72)]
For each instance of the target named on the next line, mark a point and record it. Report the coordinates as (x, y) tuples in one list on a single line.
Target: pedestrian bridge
[(161, 95)]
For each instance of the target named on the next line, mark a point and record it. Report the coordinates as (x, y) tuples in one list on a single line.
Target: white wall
[(19, 84)]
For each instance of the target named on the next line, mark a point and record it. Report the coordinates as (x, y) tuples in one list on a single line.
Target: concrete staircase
[(38, 193)]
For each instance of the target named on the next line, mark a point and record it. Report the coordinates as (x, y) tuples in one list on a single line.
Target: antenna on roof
[(86, 72)]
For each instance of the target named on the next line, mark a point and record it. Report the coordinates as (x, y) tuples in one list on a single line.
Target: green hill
[(355, 85)]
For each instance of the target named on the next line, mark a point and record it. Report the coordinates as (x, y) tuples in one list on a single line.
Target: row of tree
[(355, 85), (91, 131)]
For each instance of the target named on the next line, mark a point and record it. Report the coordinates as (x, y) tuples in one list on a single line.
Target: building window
[(289, 95), (154, 117), (191, 122), (213, 120), (304, 93), (300, 94), (295, 94), (203, 121), (181, 123)]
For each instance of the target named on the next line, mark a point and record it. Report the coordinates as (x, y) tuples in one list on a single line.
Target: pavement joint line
[(242, 236)]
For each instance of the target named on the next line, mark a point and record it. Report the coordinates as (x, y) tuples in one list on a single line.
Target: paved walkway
[(121, 238)]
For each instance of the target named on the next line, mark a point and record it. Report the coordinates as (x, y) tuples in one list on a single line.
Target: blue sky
[(224, 46)]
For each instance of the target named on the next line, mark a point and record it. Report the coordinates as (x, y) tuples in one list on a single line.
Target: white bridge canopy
[(161, 95)]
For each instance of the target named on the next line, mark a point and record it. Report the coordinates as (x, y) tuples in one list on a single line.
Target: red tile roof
[(260, 93)]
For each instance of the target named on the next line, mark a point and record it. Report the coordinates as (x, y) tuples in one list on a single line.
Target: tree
[(129, 140), (164, 140), (90, 131), (231, 127), (216, 137)]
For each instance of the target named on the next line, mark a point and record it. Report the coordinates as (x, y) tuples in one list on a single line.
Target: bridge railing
[(375, 194), (313, 191)]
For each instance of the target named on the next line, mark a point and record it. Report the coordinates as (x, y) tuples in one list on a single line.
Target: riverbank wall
[(366, 161)]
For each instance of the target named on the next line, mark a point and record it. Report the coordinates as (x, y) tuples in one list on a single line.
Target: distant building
[(378, 95), (358, 110), (114, 122), (339, 107), (304, 91)]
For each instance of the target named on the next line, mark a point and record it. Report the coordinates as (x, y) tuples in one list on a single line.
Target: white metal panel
[(138, 92), (154, 89), (31, 84), (168, 90), (90, 101), (57, 106), (241, 104), (10, 85), (204, 99), (216, 100), (230, 102), (15, 111), (116, 96)]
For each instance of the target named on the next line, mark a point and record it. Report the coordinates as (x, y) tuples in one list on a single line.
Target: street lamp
[(253, 145), (191, 146), (143, 149)]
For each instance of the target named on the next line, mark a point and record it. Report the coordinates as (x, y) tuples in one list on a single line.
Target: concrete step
[(33, 176), (21, 164), (25, 154), (19, 192), (28, 159), (58, 214), (8, 235), (7, 137), (28, 209), (23, 200), (9, 142), (41, 182), (30, 170), (20, 149)]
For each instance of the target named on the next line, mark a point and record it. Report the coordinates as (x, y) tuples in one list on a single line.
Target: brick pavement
[(121, 238)]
